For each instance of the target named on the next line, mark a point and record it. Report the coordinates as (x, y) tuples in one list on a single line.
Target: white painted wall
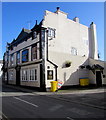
[(69, 75), (68, 34)]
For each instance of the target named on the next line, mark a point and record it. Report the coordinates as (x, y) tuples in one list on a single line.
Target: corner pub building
[(56, 49)]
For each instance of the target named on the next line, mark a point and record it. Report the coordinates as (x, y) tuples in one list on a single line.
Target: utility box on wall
[(84, 81)]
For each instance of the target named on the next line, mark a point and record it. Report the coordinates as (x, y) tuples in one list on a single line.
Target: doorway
[(17, 77), (98, 78)]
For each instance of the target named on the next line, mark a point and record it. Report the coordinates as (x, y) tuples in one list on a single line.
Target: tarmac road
[(28, 105)]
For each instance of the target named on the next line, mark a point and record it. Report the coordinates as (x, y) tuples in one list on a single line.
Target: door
[(98, 79), (18, 77)]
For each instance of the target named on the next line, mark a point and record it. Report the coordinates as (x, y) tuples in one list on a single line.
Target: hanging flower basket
[(68, 63)]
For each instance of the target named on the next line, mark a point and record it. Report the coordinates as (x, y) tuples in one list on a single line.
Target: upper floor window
[(73, 51), (18, 57), (25, 56), (43, 34), (34, 35), (34, 52), (51, 32), (12, 59)]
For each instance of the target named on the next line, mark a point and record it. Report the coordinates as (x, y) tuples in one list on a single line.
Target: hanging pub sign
[(50, 74)]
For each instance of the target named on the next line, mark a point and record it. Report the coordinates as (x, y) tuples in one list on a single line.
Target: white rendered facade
[(58, 39)]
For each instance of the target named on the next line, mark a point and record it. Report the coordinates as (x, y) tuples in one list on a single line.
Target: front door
[(17, 77), (98, 79)]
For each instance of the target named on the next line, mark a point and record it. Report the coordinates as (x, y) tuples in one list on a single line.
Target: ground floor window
[(11, 75), (29, 74), (24, 75), (33, 74), (5, 76)]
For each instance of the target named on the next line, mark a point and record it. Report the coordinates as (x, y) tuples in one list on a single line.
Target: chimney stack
[(36, 22), (76, 19), (58, 8)]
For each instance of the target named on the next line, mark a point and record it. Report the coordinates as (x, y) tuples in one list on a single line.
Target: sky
[(18, 15)]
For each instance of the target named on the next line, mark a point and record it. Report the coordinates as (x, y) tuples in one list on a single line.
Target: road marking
[(4, 116), (70, 118), (26, 101)]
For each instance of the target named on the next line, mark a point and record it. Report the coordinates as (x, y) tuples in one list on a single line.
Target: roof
[(24, 33), (97, 66)]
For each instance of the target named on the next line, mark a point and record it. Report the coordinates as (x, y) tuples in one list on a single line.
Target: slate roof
[(23, 34)]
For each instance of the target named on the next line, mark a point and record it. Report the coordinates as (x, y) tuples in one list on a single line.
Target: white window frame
[(74, 51), (51, 32), (32, 74), (24, 76), (11, 75)]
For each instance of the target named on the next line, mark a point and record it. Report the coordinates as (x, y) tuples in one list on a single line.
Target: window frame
[(34, 76), (25, 55), (24, 77), (74, 51), (51, 32), (12, 57), (33, 52), (34, 35), (11, 75), (18, 59)]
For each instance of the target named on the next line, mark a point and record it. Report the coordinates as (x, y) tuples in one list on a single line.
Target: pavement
[(66, 91), (69, 104)]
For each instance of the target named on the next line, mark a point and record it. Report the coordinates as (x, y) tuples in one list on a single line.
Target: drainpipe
[(42, 68), (48, 58)]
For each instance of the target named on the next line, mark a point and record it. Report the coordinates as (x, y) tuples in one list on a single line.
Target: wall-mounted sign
[(50, 74)]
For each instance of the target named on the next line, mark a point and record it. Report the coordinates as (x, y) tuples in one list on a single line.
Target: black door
[(17, 77), (98, 79)]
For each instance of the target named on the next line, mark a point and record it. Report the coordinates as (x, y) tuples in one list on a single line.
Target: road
[(17, 105)]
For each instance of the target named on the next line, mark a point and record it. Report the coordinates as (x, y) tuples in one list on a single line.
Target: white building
[(57, 49)]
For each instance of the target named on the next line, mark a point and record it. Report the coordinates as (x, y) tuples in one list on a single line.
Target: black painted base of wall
[(91, 86), (26, 87)]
